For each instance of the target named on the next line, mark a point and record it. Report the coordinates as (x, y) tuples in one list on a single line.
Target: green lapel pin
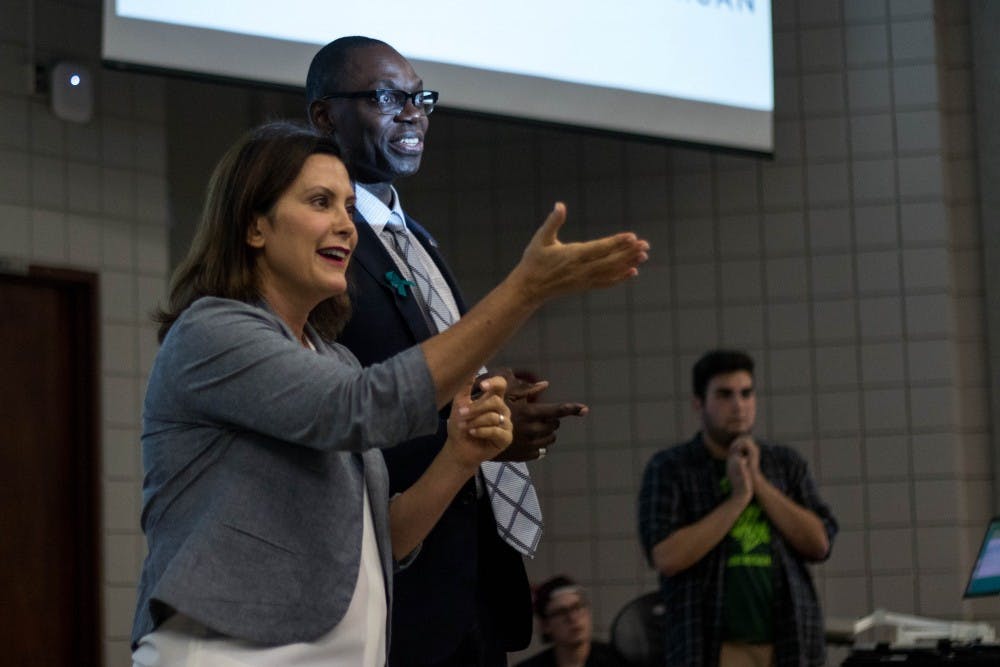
[(398, 283)]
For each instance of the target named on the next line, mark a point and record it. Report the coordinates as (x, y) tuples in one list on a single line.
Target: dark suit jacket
[(435, 598)]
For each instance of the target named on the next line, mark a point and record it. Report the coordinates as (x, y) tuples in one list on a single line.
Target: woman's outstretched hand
[(548, 268), (551, 268)]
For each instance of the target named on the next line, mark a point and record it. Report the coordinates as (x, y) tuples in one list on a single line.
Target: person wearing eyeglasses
[(272, 534), (563, 612), (465, 600)]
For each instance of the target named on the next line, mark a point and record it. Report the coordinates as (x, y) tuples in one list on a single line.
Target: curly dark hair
[(718, 362)]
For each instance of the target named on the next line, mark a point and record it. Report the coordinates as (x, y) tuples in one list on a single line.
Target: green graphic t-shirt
[(747, 610)]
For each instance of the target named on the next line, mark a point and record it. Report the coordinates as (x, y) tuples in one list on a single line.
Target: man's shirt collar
[(373, 210)]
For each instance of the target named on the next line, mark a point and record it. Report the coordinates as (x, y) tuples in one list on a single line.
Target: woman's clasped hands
[(479, 428)]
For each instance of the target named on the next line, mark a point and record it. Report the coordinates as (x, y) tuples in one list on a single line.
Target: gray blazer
[(256, 454)]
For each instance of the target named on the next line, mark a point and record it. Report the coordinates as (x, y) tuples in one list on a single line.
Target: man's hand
[(801, 527), (746, 447), (535, 424), (743, 460)]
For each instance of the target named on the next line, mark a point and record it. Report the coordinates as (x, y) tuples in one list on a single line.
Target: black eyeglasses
[(391, 101), (564, 613)]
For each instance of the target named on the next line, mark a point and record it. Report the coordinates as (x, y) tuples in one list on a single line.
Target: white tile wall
[(835, 365), (891, 551), (895, 592), (887, 456), (68, 197)]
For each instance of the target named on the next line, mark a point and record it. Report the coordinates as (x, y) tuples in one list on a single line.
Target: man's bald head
[(326, 71)]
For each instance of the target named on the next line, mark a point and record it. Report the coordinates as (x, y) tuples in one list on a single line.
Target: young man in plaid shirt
[(730, 522)]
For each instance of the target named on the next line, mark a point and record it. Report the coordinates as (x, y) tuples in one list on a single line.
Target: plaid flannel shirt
[(679, 487)]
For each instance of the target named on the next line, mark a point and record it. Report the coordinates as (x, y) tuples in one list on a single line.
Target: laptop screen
[(985, 577)]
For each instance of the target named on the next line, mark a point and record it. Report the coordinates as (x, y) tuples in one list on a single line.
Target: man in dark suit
[(465, 598)]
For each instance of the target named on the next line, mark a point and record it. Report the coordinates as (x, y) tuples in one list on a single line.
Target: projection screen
[(696, 71)]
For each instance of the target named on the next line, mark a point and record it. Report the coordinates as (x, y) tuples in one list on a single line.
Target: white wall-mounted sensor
[(72, 87)]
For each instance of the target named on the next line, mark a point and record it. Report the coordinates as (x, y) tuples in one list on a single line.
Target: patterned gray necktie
[(512, 495)]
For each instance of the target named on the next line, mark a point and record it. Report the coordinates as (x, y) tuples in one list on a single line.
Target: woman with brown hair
[(271, 535)]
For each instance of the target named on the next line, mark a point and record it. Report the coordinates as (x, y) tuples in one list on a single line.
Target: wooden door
[(49, 527)]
